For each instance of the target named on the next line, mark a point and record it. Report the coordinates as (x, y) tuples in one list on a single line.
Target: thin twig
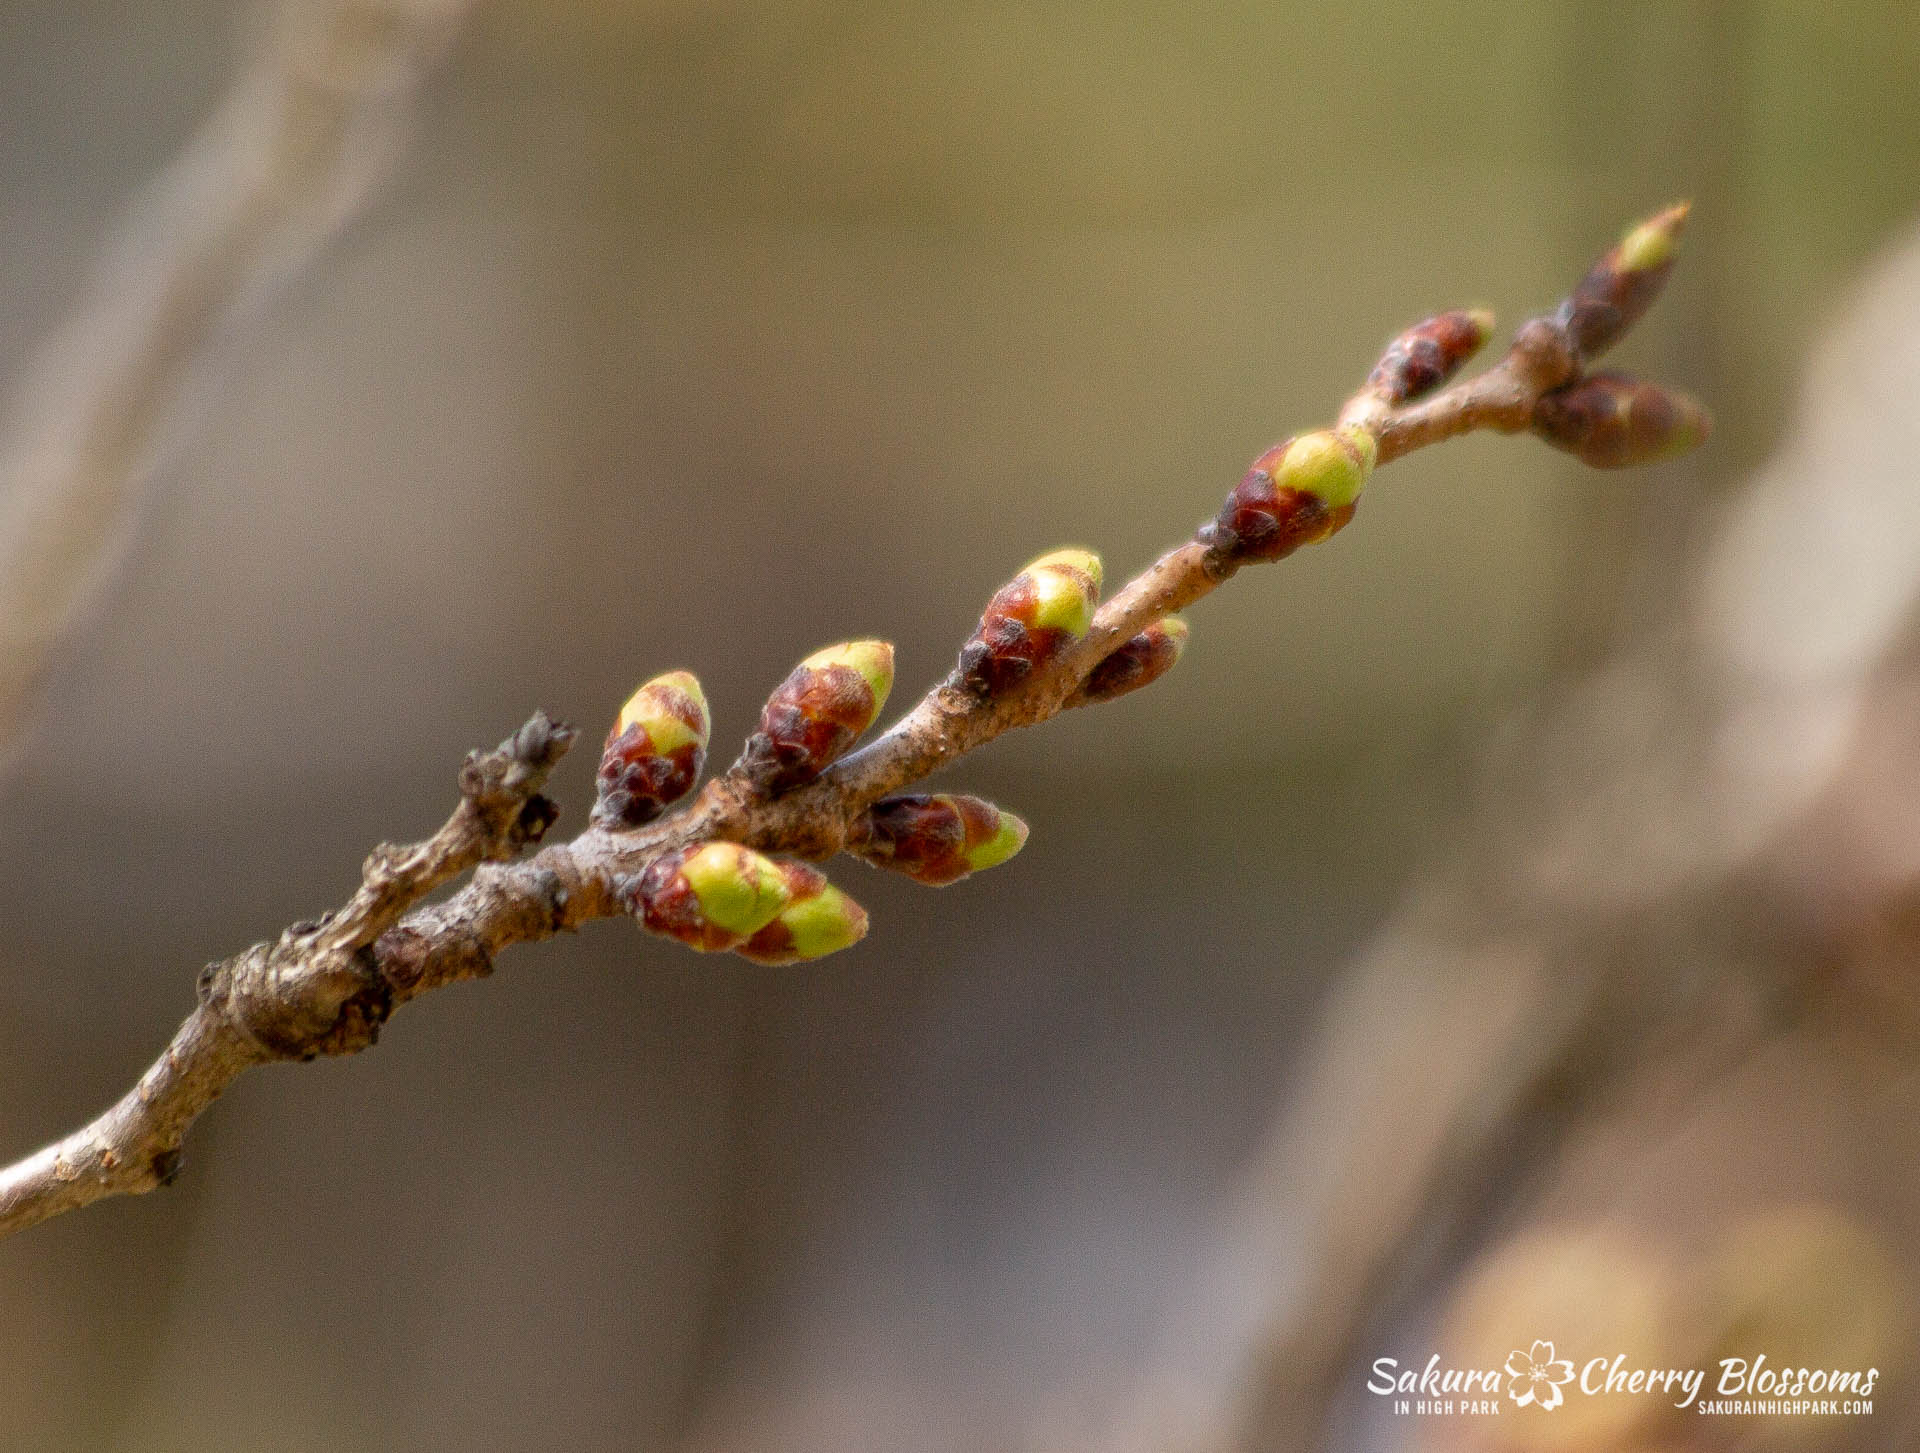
[(314, 992)]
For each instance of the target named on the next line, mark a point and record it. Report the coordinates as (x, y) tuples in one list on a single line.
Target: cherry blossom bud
[(1622, 285), (1031, 619), (1610, 420), (936, 839), (1139, 662), (1428, 354), (1297, 493), (655, 752), (818, 712), (818, 920), (710, 897)]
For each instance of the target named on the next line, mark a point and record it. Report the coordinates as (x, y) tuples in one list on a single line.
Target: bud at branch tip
[(1610, 421), (1621, 286)]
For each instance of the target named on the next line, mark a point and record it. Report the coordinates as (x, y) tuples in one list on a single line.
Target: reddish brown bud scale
[(938, 838), (1297, 493), (1031, 620), (1428, 354), (808, 723), (1005, 650), (913, 833), (1140, 661), (1621, 286), (667, 904), (1610, 421), (1263, 522), (655, 752), (819, 711), (711, 896)]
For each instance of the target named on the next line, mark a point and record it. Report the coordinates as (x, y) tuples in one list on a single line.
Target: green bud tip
[(872, 659), (1176, 630), (1653, 242), (1330, 464), (1072, 558), (1008, 837), (661, 707), (823, 924), (1066, 587), (739, 891), (1483, 325)]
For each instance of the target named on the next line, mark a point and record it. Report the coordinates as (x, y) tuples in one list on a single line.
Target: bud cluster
[(936, 838), (1297, 493), (655, 753), (1031, 620), (819, 711), (724, 896)]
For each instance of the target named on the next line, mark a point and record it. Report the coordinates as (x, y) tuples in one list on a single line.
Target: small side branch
[(317, 991)]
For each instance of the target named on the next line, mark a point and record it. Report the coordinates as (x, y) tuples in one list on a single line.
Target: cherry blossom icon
[(1536, 1376)]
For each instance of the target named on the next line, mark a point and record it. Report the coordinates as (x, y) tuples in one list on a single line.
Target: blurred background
[(1502, 926)]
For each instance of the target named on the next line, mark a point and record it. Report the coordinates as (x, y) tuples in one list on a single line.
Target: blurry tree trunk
[(314, 118)]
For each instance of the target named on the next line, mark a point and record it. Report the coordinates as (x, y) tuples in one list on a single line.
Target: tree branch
[(316, 991), (326, 986)]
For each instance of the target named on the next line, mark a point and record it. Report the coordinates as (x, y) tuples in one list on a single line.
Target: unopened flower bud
[(818, 920), (710, 897), (818, 712), (1622, 285), (1429, 353), (655, 752), (1610, 420), (1297, 493), (1031, 619), (936, 839), (1140, 661)]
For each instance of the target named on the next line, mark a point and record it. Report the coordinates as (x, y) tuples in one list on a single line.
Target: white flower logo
[(1536, 1376)]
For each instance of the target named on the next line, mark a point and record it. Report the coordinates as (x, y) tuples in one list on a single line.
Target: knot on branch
[(1543, 357), (295, 1003), (501, 787)]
